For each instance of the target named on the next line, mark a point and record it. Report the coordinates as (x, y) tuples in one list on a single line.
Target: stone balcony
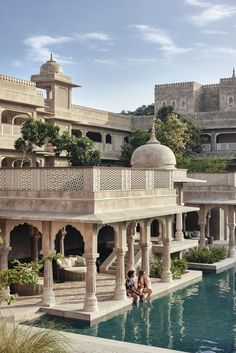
[(107, 192)]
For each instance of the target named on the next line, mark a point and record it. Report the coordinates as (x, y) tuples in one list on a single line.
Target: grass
[(15, 338)]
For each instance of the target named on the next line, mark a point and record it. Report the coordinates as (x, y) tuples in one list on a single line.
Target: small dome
[(51, 67), (153, 155)]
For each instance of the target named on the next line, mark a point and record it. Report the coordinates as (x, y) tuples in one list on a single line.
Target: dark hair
[(130, 273), (141, 273)]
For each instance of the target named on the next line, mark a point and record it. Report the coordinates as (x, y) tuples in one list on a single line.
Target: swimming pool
[(199, 318)]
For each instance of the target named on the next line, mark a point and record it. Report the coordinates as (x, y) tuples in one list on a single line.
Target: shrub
[(205, 255), (178, 267), (15, 338)]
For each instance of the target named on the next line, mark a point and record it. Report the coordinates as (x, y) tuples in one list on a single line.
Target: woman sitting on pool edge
[(131, 289), (144, 284)]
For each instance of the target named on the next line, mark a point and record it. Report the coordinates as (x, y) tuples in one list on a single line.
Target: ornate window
[(173, 103), (183, 103), (164, 104), (230, 100)]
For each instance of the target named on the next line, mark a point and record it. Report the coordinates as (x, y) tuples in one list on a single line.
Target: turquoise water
[(199, 318)]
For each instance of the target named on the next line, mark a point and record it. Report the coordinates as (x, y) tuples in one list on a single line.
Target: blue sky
[(119, 49)]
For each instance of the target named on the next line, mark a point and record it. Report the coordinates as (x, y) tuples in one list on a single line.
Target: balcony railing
[(84, 179)]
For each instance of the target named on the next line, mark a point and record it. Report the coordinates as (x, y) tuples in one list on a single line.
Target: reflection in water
[(199, 318)]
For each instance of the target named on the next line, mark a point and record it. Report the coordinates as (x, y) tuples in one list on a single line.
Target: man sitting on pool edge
[(131, 289)]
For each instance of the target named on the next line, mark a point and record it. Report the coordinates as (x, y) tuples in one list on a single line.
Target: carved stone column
[(130, 253), (120, 291), (90, 302), (48, 297), (231, 218), (179, 227), (120, 249), (208, 224), (166, 260), (35, 245), (62, 238), (4, 252), (145, 244), (232, 252), (202, 226)]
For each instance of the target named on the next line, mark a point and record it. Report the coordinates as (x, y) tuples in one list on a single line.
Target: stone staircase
[(109, 265)]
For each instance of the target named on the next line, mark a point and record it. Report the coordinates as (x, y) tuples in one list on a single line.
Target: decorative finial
[(51, 59), (153, 138), (233, 72)]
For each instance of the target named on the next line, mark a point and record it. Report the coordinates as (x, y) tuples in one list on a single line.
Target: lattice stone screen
[(138, 179), (2, 179), (162, 179), (111, 179), (220, 179), (65, 179)]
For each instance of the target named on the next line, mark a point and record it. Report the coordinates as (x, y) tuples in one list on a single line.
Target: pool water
[(199, 318)]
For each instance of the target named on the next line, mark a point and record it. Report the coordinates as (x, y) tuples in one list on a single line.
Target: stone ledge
[(216, 267)]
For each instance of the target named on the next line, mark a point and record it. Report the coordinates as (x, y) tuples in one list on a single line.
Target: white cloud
[(95, 36), (197, 3), (214, 13), (211, 12), (40, 47), (224, 50), (160, 37), (108, 62), (214, 32)]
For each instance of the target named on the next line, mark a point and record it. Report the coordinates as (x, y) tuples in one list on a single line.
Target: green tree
[(34, 133), (138, 138), (143, 110), (203, 163), (79, 150)]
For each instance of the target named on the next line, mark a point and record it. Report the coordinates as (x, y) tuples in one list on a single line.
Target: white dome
[(153, 155), (51, 67)]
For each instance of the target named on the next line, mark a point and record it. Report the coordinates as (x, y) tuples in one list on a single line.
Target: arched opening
[(230, 100), (76, 133), (155, 228), (226, 138), (126, 139), (94, 136), (26, 243), (73, 241), (108, 139), (19, 120), (216, 224), (5, 162), (183, 103), (191, 222), (17, 163), (206, 138), (106, 239)]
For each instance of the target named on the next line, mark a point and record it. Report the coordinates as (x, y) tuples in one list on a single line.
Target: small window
[(164, 104), (230, 100), (108, 139), (126, 140), (183, 103), (173, 103)]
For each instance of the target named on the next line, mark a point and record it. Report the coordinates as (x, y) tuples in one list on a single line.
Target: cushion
[(66, 262), (80, 261)]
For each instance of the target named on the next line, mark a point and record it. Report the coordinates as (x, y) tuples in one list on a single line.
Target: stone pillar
[(226, 232), (145, 264), (35, 246), (130, 254), (202, 226), (213, 141), (62, 237), (208, 224), (4, 252), (120, 249), (232, 252), (90, 301), (166, 259), (231, 216), (179, 236), (48, 297), (145, 244)]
